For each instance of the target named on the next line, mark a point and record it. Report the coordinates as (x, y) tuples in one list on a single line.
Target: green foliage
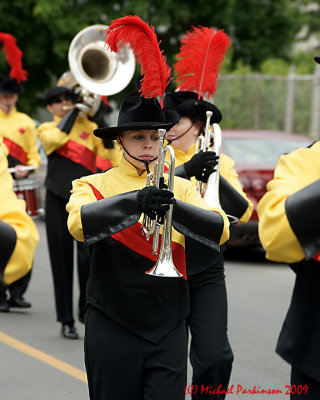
[(261, 31), (275, 66)]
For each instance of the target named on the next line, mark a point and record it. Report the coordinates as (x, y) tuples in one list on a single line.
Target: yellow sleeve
[(33, 157), (229, 173), (275, 233), (81, 194), (13, 212), (51, 137)]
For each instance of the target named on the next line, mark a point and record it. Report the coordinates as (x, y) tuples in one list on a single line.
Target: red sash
[(133, 239), (15, 151), (79, 154), (103, 164), (316, 257)]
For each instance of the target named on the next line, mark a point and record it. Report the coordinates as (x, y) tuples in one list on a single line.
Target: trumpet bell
[(164, 267), (95, 67)]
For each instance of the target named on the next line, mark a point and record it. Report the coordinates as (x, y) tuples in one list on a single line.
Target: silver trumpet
[(210, 191), (164, 266)]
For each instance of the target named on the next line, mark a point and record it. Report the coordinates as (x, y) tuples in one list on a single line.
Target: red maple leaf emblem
[(84, 135), (22, 130)]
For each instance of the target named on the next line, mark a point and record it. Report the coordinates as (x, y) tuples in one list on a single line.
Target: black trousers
[(16, 289), (19, 287), (60, 244), (122, 365), (210, 353), (303, 387)]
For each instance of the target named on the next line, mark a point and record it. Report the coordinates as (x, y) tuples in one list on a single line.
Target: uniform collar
[(190, 152), (12, 112), (128, 169)]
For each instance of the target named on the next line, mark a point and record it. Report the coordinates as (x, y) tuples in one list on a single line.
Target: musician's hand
[(202, 165), (19, 172), (154, 202)]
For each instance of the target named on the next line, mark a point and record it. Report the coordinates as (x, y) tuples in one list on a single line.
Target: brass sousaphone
[(94, 67)]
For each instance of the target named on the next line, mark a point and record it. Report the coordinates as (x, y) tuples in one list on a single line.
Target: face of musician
[(57, 106), (184, 133), (142, 144), (8, 102)]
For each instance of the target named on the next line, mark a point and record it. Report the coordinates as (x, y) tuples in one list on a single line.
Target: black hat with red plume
[(13, 55), (199, 60), (141, 112), (188, 105)]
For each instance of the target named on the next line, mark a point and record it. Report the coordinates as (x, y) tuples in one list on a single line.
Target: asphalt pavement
[(36, 363)]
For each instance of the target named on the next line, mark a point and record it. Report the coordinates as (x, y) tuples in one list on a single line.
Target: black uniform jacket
[(118, 285)]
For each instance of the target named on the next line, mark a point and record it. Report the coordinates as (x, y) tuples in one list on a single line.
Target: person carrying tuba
[(210, 352), (136, 341), (71, 149)]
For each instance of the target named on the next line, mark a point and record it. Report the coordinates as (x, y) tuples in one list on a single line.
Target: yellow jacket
[(13, 212), (294, 171), (19, 130), (52, 138), (124, 179), (226, 170)]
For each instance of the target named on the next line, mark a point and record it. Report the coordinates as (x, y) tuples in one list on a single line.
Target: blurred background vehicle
[(256, 153)]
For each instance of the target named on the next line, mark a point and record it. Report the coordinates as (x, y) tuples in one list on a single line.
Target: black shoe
[(4, 306), (69, 332), (82, 317), (19, 302)]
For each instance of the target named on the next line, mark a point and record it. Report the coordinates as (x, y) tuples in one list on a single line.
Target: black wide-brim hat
[(9, 85), (188, 105), (317, 59), (55, 92), (139, 113)]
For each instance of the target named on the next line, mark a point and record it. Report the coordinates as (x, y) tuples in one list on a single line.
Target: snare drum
[(25, 189)]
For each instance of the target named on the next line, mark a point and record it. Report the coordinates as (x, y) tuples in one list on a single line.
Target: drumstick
[(24, 168)]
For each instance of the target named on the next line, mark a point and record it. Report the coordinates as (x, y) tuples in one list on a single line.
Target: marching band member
[(135, 341), (289, 218), (71, 148), (210, 353), (18, 234), (18, 132), (17, 129)]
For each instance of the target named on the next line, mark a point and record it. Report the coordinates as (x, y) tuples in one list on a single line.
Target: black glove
[(154, 202), (201, 165), (67, 121)]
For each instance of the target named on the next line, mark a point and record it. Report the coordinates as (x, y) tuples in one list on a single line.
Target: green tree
[(259, 29)]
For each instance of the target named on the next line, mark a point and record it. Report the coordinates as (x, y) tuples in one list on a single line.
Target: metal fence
[(283, 103)]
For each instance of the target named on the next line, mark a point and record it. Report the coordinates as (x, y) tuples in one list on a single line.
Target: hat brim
[(172, 117)]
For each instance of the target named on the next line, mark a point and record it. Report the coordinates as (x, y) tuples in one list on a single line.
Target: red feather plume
[(201, 54), (143, 41), (13, 57)]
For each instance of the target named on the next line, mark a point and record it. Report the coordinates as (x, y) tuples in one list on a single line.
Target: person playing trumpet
[(210, 352), (135, 342)]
